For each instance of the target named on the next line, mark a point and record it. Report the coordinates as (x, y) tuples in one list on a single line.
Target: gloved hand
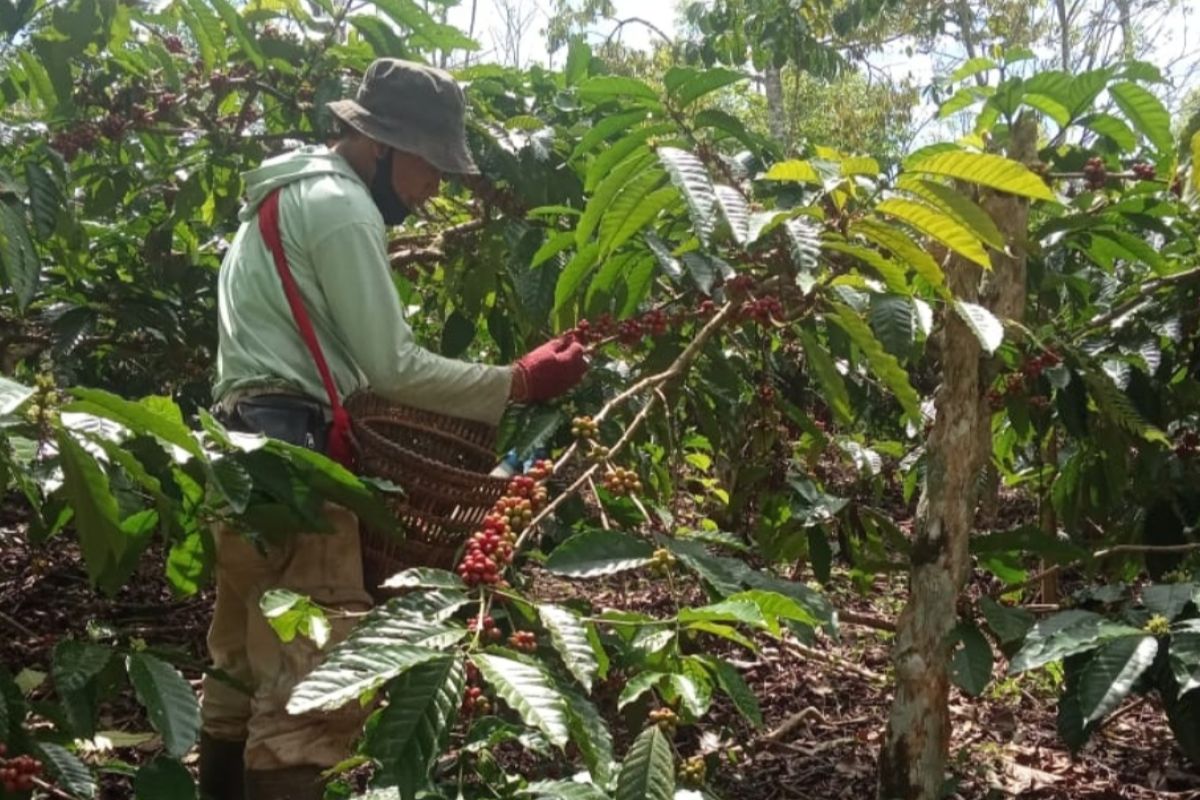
[(549, 371)]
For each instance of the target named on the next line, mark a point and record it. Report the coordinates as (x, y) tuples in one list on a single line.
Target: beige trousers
[(324, 566)]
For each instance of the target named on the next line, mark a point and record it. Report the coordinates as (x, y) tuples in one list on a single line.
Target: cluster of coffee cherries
[(18, 774), (1018, 382), (1143, 171), (523, 641), (474, 700), (1187, 443), (486, 628), (1095, 173), (42, 410), (621, 482), (585, 428), (662, 561), (693, 771), (665, 718), (490, 549)]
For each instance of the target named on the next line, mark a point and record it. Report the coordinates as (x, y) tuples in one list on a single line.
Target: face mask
[(384, 193)]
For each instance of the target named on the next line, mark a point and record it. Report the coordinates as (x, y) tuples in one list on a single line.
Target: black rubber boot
[(221, 768), (292, 783)]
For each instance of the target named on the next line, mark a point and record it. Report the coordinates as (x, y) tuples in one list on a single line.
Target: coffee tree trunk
[(776, 114), (912, 763)]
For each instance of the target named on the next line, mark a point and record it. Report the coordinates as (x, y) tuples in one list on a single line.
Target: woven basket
[(442, 463)]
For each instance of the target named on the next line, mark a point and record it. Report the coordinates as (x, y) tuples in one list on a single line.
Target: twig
[(805, 651), (795, 721), (51, 789), (1037, 577), (866, 621), (678, 367), (18, 625), (1148, 288), (638, 21), (603, 516)]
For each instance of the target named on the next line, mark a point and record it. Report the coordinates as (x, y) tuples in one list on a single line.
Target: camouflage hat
[(413, 108)]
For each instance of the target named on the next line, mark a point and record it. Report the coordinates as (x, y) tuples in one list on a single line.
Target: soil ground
[(824, 714)]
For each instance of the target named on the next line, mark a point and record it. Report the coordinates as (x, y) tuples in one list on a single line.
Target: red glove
[(549, 371)]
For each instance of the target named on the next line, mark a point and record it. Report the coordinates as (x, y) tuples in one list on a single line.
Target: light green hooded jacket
[(336, 247)]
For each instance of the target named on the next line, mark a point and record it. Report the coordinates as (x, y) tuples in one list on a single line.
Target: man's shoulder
[(330, 200)]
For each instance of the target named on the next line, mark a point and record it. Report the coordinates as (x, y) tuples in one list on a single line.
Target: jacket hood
[(305, 162)]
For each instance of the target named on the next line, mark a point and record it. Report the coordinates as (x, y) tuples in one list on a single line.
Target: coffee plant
[(769, 328)]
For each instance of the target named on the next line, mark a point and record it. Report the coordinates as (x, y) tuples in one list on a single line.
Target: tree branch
[(1037, 577), (1148, 288)]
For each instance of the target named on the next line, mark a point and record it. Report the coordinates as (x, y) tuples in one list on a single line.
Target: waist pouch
[(295, 420)]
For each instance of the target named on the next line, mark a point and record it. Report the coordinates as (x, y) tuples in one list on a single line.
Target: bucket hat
[(414, 108)]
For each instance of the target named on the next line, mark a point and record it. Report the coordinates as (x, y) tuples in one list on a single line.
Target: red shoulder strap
[(268, 225)]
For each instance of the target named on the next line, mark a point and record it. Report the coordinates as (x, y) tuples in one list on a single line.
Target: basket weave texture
[(442, 463)]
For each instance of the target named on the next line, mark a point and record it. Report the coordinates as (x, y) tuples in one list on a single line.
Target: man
[(402, 133)]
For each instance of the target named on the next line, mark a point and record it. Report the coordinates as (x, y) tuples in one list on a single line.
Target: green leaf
[(137, 417), (241, 32), (775, 606), (12, 395), (985, 169), (891, 271), (553, 245), (606, 87), (570, 638), (39, 79), (414, 727), (736, 211), (1007, 623), (1184, 656), (833, 387), (425, 578), (206, 29), (972, 67), (893, 318), (744, 611), (76, 663), (898, 243), (793, 172), (708, 81), (590, 733), (1183, 714), (637, 686), (289, 613), (233, 483), (1065, 634), (95, 508), (987, 329), (351, 670), (1116, 130), (1118, 408), (45, 199), (1146, 113), (956, 205), (529, 691), (1111, 673), (735, 686), (562, 790), (18, 258), (626, 223), (633, 143), (594, 553), (168, 699), (649, 769), (972, 667), (605, 128), (613, 183), (67, 770), (162, 778), (882, 363), (937, 225), (689, 174), (571, 280), (1168, 599)]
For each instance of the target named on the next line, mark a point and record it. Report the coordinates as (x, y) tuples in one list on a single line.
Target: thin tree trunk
[(913, 760), (1064, 33), (1049, 524), (1127, 43), (776, 114)]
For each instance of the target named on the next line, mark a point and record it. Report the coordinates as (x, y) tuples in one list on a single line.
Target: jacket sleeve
[(355, 277)]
